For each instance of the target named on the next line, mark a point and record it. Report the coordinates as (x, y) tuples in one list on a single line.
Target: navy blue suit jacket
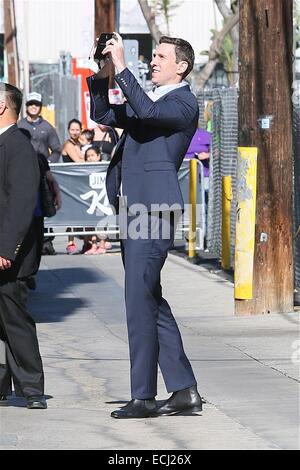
[(155, 140)]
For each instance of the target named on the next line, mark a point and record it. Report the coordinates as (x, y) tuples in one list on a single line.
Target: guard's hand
[(56, 190), (115, 48), (57, 200), (5, 263)]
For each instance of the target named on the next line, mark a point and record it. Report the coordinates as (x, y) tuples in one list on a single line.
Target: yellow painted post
[(192, 207), (226, 211), (245, 222)]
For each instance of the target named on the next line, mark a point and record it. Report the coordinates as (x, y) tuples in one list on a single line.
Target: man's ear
[(182, 67), (2, 107)]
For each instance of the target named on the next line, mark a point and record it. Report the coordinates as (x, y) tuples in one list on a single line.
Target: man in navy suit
[(158, 128)]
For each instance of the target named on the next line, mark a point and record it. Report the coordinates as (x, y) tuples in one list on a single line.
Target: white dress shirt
[(159, 91)]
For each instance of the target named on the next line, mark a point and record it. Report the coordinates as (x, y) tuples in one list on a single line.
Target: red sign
[(80, 67)]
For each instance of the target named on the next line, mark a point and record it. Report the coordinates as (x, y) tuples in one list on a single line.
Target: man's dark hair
[(13, 96), (74, 121), (183, 51)]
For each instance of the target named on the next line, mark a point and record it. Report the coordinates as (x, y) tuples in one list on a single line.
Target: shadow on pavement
[(54, 300)]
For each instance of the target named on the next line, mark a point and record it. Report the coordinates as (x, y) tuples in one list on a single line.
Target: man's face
[(164, 67), (33, 109)]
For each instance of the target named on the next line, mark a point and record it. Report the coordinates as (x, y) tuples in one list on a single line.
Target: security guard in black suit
[(19, 188)]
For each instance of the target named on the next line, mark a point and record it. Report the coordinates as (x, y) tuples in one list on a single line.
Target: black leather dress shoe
[(181, 401), (36, 403), (136, 409), (3, 400)]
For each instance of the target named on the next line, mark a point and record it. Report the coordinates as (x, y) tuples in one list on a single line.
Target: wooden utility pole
[(10, 42), (105, 16), (265, 122), (105, 22)]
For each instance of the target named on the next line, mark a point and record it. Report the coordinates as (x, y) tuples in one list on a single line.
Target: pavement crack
[(262, 363)]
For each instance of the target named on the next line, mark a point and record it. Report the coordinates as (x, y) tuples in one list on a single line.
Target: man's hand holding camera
[(115, 56), (115, 48)]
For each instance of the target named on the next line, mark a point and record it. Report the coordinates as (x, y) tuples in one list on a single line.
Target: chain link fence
[(223, 161)]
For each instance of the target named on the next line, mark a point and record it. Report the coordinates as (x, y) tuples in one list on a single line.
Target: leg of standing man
[(18, 331), (153, 334)]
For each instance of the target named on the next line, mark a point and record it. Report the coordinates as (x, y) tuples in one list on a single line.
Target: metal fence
[(223, 161), (67, 101)]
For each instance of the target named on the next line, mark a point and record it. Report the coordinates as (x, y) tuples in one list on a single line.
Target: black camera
[(104, 37)]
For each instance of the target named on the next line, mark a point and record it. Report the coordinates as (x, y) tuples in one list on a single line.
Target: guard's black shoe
[(136, 409), (36, 403), (181, 401), (3, 400)]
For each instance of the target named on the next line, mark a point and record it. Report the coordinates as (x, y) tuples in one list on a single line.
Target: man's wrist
[(120, 67)]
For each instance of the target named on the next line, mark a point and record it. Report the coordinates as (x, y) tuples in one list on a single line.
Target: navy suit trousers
[(154, 337)]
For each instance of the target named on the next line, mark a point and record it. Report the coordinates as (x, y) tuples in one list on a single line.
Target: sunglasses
[(34, 103)]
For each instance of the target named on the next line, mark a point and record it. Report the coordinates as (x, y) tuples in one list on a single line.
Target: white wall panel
[(47, 27)]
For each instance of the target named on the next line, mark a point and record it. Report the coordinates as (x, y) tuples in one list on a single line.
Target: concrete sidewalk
[(243, 365)]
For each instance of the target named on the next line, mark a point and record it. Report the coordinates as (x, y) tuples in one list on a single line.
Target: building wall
[(46, 27)]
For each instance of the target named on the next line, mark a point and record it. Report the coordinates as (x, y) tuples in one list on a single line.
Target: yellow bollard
[(245, 223), (192, 208), (226, 210)]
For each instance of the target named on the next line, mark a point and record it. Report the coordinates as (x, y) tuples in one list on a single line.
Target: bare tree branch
[(223, 8), (226, 12), (215, 50), (150, 20), (231, 21)]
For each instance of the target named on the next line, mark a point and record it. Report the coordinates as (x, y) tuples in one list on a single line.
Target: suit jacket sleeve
[(54, 145), (175, 112), (22, 183), (101, 111)]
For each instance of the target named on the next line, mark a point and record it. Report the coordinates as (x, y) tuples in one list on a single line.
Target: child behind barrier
[(86, 140), (93, 154)]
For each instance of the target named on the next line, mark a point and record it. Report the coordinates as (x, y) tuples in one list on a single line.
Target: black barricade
[(84, 199)]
